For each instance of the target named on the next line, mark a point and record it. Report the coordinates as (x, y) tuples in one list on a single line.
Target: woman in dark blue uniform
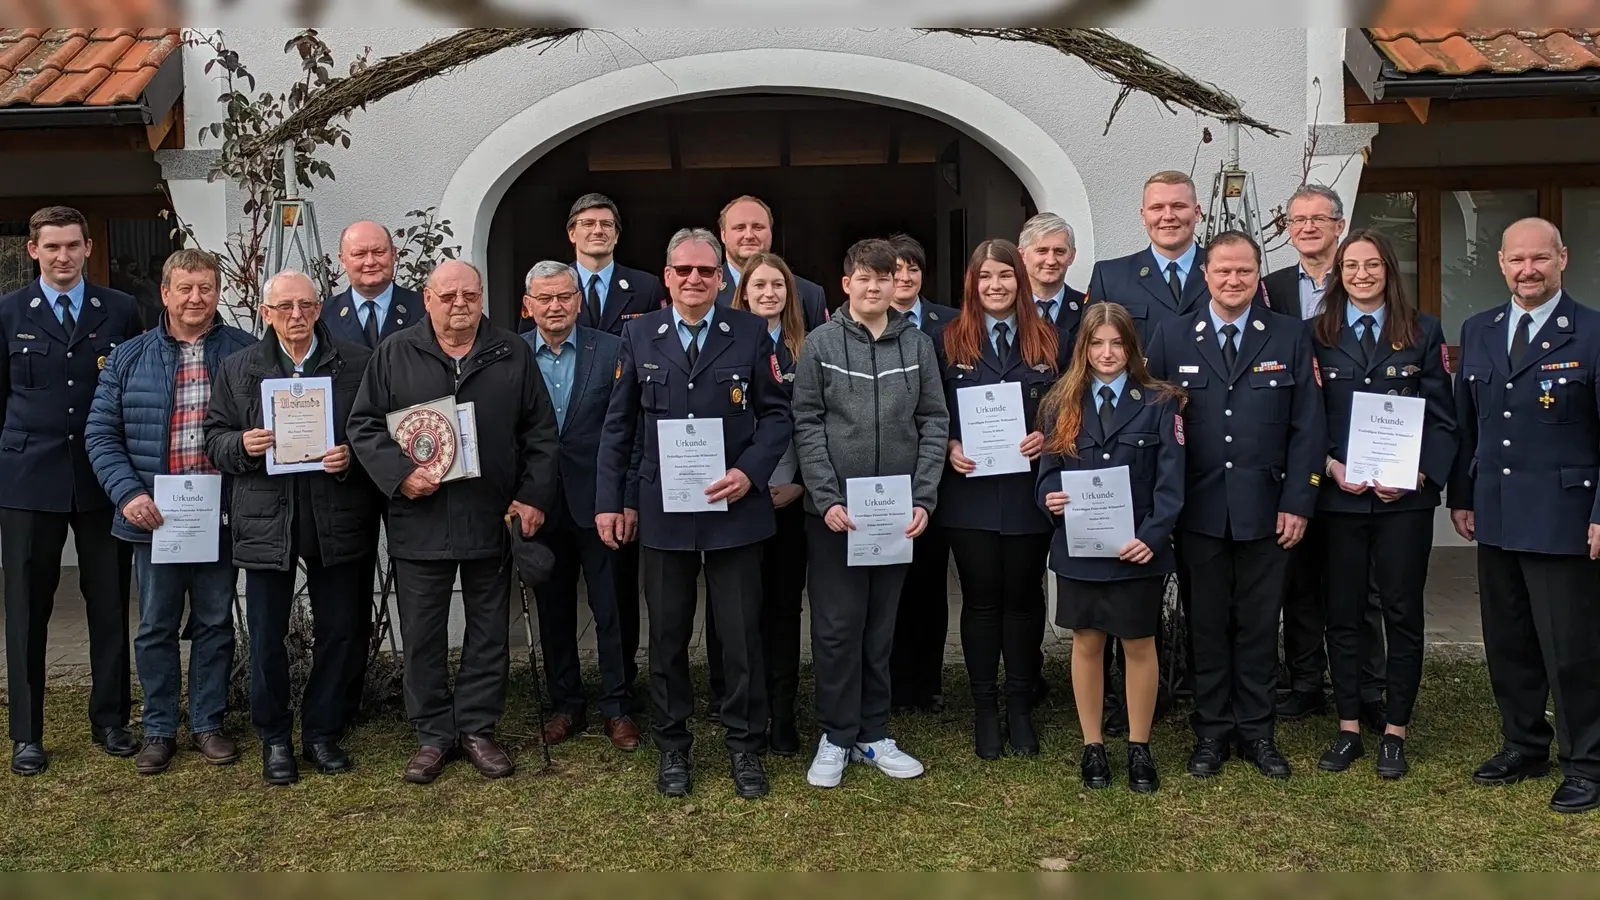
[(1108, 412), (768, 289), (1370, 339), (999, 538)]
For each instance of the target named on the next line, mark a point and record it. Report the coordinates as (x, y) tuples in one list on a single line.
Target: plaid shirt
[(186, 444)]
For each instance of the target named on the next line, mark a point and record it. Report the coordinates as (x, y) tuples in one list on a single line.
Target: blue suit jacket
[(46, 388), (1529, 467), (595, 374), (339, 314), (813, 299), (1140, 286)]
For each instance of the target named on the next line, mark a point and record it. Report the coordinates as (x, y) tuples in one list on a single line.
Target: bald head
[(454, 300), (1532, 228), (367, 253), (1532, 259)]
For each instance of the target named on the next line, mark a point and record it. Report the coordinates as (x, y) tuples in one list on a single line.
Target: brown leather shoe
[(427, 764), (482, 751), (623, 733), (561, 726), (217, 748), (155, 756)]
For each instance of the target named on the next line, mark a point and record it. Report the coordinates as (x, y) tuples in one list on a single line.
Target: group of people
[(1226, 395)]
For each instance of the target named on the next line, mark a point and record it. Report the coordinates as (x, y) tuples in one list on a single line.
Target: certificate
[(299, 413), (880, 508), (691, 460), (1385, 447), (191, 518), (992, 428), (1099, 515)]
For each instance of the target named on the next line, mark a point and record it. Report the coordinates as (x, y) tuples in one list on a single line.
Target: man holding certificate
[(296, 386), (703, 382), (1391, 423), (871, 428)]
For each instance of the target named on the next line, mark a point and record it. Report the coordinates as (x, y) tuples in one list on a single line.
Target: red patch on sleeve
[(1444, 358), (777, 375), (1177, 428), (1266, 299), (1316, 369)]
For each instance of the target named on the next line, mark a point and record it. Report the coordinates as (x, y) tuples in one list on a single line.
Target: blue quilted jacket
[(131, 415)]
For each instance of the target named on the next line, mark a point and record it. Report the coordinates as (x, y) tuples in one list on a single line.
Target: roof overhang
[(1380, 79)]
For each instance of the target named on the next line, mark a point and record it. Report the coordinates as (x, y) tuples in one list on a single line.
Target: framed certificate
[(299, 413)]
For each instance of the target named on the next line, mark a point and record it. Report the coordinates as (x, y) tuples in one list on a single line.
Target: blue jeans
[(209, 588)]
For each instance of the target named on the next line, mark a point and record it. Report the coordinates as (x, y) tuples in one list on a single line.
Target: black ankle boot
[(986, 738), (1019, 725)]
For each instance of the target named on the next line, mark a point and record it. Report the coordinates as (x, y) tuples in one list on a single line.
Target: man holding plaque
[(440, 529), (709, 376), (326, 514)]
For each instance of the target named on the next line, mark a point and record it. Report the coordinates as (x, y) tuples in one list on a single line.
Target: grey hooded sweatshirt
[(869, 408)]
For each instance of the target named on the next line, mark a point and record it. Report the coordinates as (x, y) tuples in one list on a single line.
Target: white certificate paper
[(993, 427), (1385, 446), (691, 460), (1099, 516), (299, 413), (191, 514), (880, 508)]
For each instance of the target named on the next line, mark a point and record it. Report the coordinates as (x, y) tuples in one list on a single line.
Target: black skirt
[(1126, 609)]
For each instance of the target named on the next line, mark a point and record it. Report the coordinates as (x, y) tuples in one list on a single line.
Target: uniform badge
[(1073, 306), (1545, 400), (1551, 367), (100, 363), (736, 395), (964, 367), (1389, 372), (1134, 393), (662, 329), (622, 283), (35, 303), (1258, 325), (1409, 371), (1499, 316), (618, 375), (27, 337), (650, 365), (399, 309), (1144, 271), (1561, 321), (1041, 368), (1200, 326), (723, 326), (94, 302), (1444, 358), (777, 374), (1177, 428), (1316, 480), (1188, 370), (1316, 370), (344, 312), (1396, 346), (628, 316)]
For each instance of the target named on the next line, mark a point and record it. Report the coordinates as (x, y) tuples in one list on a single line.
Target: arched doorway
[(835, 171), (473, 198)]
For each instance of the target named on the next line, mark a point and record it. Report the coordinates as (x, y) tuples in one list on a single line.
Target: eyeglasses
[(546, 299), (1355, 265), (305, 309), (706, 272), (1319, 221), (467, 297), (596, 224)]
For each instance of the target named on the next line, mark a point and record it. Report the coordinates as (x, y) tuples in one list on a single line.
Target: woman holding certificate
[(998, 360), (1391, 422), (1116, 436)]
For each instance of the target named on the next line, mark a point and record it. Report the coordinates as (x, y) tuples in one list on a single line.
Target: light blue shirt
[(684, 332), (1353, 313), (1185, 263), (1241, 322), (558, 370), (1055, 304), (383, 300), (1311, 294), (914, 314), (733, 274), (1540, 316), (1011, 330), (1116, 385), (585, 276), (74, 300), (776, 334)]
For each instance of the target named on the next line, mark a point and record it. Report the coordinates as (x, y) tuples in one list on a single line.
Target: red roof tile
[(81, 66), (1501, 51)]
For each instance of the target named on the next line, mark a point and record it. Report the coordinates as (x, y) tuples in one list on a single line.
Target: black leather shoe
[(987, 741), (1374, 716), (1392, 757), (749, 778), (1115, 723), (1263, 752), (783, 738), (1576, 795), (1300, 704), (1206, 760), (1023, 737), (278, 766), (1511, 766), (1142, 777), (116, 740), (28, 758), (672, 774), (328, 758), (1096, 769), (1343, 752)]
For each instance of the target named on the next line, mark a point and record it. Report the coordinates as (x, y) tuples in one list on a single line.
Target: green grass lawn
[(598, 809)]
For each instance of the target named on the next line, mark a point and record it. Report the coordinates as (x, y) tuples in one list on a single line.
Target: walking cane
[(532, 561)]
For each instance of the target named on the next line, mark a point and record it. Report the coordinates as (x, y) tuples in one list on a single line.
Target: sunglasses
[(705, 272)]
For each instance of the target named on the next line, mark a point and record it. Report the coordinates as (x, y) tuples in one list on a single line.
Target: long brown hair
[(963, 338), (1400, 327), (792, 319), (1062, 408)]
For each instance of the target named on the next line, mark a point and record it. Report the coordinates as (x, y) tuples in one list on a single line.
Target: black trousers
[(733, 590), (783, 583), (579, 551), (1235, 596), (1305, 621), (424, 590), (916, 666), (32, 543), (340, 616), (1542, 637), (1390, 548), (852, 635), (625, 576), (1002, 610)]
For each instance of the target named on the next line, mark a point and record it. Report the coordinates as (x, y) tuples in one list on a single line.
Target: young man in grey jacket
[(867, 403)]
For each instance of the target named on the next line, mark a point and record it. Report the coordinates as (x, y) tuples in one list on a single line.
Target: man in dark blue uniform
[(60, 330), (746, 225), (699, 365), (1256, 445), (373, 307), (1165, 280), (1524, 489), (579, 366)]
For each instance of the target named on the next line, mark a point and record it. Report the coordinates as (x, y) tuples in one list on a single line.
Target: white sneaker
[(827, 769), (888, 758)]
